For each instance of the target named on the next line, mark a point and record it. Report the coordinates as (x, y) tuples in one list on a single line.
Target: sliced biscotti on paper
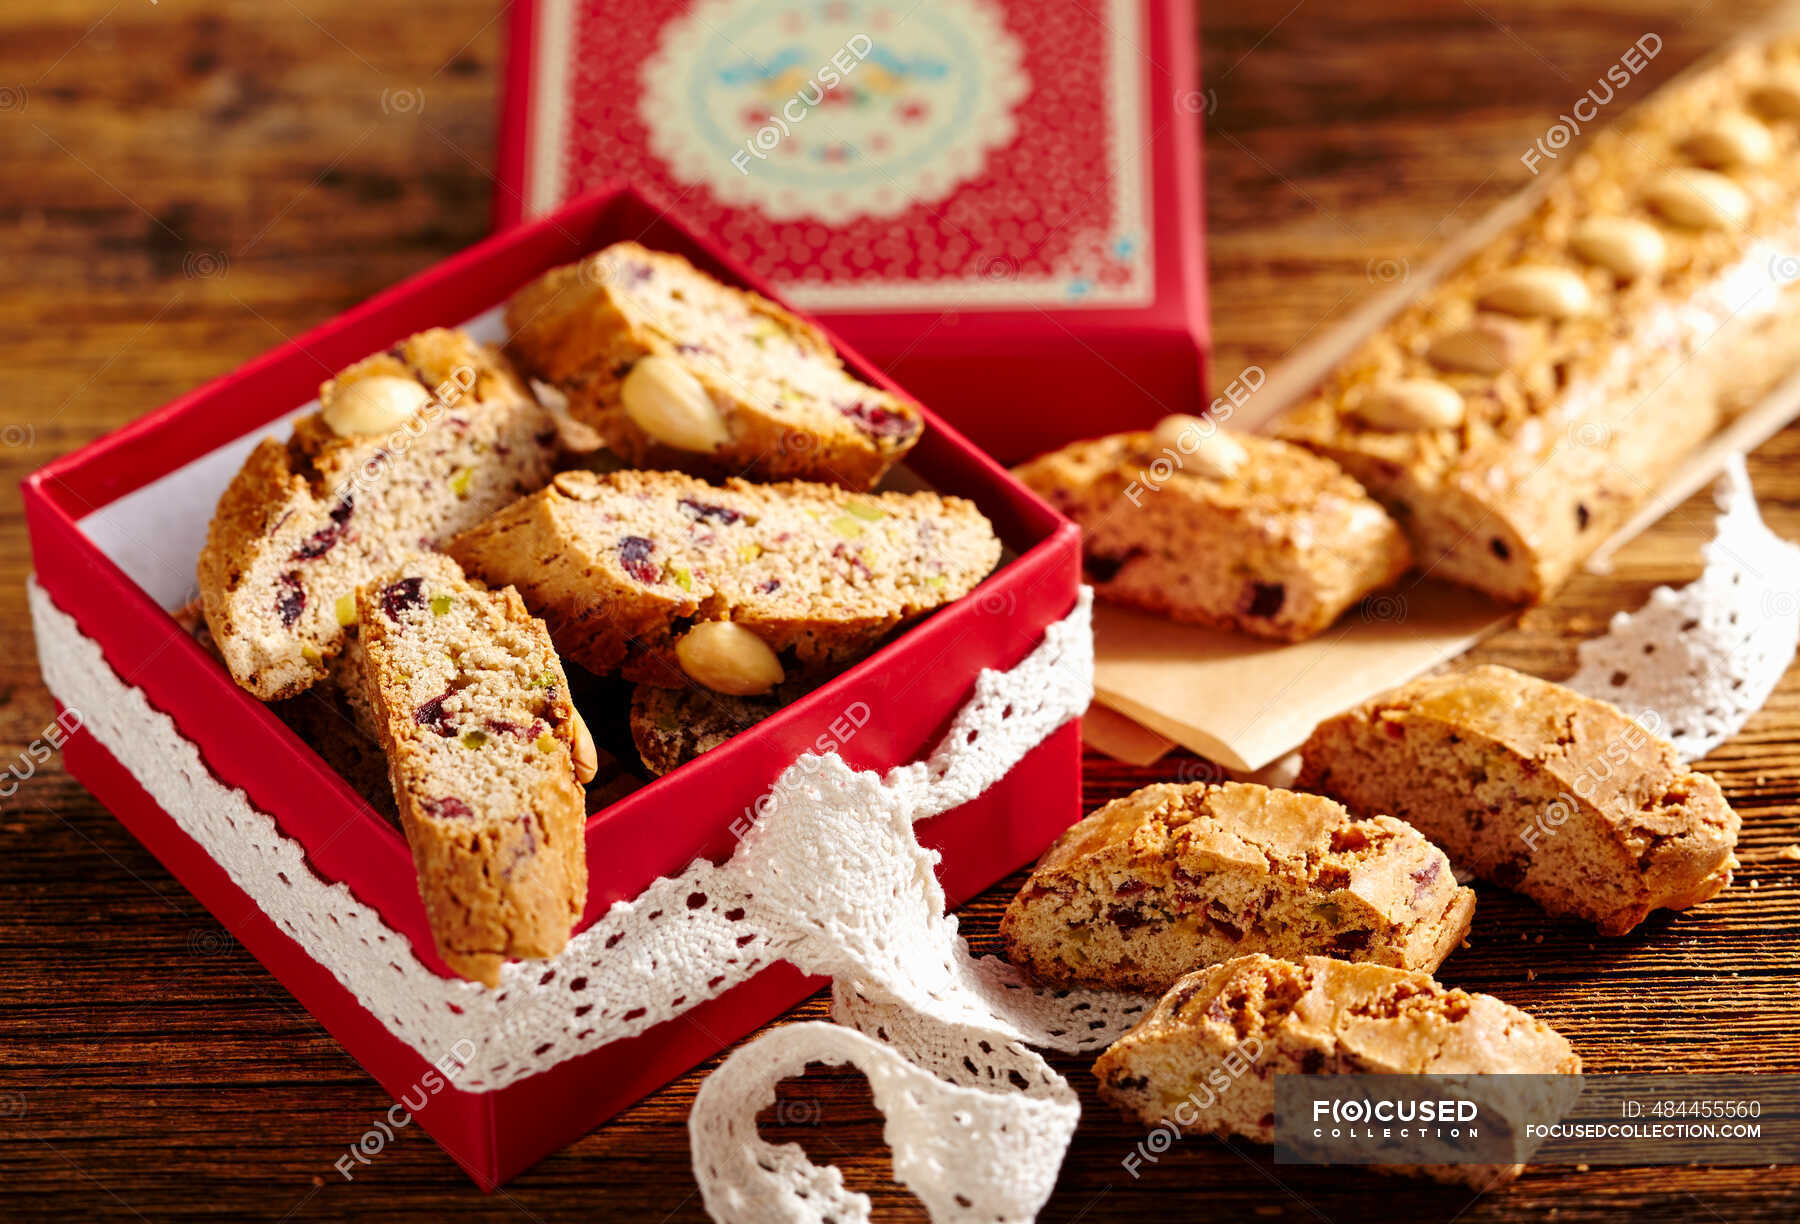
[(676, 370), (670, 580), (1207, 1055), (1537, 788), (408, 447), (1234, 531), (1174, 877), (1516, 413), (486, 754)]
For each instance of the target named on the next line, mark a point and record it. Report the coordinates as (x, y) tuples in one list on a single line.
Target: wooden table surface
[(187, 183)]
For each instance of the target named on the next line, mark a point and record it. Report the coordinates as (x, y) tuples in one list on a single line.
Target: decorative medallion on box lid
[(835, 111), (868, 154)]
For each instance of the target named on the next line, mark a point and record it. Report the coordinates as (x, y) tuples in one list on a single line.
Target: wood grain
[(187, 183)]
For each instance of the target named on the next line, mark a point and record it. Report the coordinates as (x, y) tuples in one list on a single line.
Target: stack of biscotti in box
[(423, 570), (1504, 423)]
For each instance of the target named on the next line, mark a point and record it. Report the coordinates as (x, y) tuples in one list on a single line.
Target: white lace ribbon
[(683, 940), (978, 1123), (1705, 658), (970, 1146)]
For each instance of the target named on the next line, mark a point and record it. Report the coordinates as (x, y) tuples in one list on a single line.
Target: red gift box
[(95, 603), (998, 203)]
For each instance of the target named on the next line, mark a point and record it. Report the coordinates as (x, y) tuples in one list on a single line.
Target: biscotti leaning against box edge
[(676, 370), (739, 587), (1232, 531), (486, 754), (1207, 1055), (1175, 877), (408, 447), (1537, 788), (1515, 414)]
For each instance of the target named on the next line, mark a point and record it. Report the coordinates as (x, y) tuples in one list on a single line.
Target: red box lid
[(998, 202)]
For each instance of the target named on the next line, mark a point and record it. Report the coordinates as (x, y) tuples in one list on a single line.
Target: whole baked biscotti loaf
[(1234, 531), (486, 753), (1537, 788), (1517, 412), (408, 447), (676, 370), (1207, 1055), (670, 580), (1175, 877)]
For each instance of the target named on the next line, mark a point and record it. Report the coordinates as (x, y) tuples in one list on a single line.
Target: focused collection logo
[(1395, 1119)]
